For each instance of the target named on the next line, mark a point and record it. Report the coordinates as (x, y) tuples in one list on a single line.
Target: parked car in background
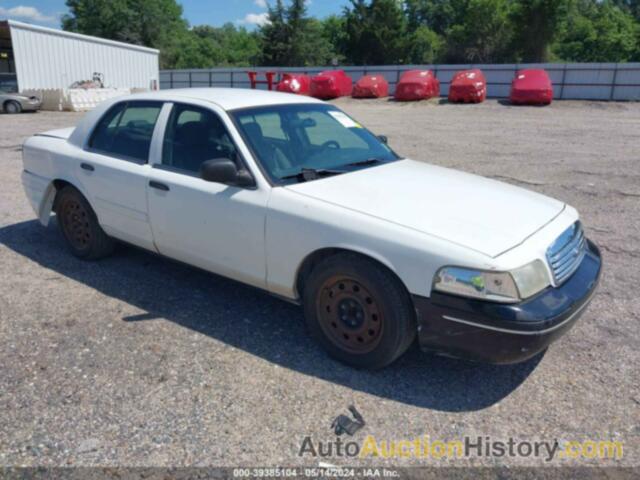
[(294, 83), (417, 85), (291, 195), (468, 86), (531, 87), (331, 84), (13, 102), (371, 86)]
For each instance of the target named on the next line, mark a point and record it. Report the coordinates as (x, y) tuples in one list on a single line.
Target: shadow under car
[(262, 325)]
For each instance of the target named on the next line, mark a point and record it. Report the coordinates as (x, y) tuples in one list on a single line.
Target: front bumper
[(29, 106), (506, 333)]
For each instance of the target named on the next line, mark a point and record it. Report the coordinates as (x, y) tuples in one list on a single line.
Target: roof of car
[(229, 98)]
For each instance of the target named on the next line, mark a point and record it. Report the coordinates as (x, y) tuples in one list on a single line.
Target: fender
[(305, 264), (42, 193), (368, 253)]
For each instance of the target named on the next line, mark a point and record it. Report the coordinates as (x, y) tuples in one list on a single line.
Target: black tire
[(79, 225), (12, 107), (358, 311)]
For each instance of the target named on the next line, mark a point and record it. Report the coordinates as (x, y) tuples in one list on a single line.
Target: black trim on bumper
[(506, 333)]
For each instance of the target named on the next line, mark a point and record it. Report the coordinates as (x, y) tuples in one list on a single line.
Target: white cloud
[(259, 19), (261, 3), (27, 13)]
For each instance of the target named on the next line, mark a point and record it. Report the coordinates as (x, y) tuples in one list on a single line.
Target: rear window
[(126, 129)]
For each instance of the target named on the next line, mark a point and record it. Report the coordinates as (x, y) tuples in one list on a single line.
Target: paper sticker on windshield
[(344, 120)]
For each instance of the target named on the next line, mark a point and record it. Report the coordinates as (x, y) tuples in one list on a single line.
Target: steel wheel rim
[(75, 222), (349, 315)]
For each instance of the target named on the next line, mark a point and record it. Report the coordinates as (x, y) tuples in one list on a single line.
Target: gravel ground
[(139, 361)]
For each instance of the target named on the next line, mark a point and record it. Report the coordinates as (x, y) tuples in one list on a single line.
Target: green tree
[(297, 25), (484, 35), (369, 32), (536, 24), (291, 38), (230, 46), (598, 32), (102, 18), (437, 15), (153, 23), (315, 48), (424, 46), (275, 36), (186, 50), (630, 6), (375, 32), (333, 31)]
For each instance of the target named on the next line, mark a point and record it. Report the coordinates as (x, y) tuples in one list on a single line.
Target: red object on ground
[(531, 87), (253, 78), (371, 86), (294, 83), (331, 84), (417, 85), (468, 86)]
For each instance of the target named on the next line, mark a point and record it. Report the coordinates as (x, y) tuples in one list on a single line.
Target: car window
[(327, 129), (270, 124), (8, 84), (287, 139), (126, 130), (193, 136), (104, 132)]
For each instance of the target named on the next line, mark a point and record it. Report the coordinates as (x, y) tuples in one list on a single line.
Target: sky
[(213, 12)]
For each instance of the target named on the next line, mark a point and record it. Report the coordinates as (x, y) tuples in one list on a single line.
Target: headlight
[(531, 278), (505, 287), (494, 286)]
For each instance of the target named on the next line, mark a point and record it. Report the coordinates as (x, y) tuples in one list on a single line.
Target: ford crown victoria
[(293, 196)]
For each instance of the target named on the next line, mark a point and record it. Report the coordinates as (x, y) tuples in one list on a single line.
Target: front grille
[(567, 252)]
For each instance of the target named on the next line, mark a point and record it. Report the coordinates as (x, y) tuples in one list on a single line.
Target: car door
[(114, 170), (211, 225)]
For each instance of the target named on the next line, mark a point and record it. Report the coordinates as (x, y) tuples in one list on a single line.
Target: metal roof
[(78, 36), (46, 58)]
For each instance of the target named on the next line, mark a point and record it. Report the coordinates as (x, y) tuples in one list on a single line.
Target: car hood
[(485, 215)]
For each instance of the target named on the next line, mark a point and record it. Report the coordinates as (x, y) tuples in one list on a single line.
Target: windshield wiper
[(307, 174), (362, 163)]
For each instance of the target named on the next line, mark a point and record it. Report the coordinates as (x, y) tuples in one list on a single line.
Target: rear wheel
[(12, 107), (358, 311), (80, 226)]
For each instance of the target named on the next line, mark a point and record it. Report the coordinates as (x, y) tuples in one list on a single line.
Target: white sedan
[(291, 195)]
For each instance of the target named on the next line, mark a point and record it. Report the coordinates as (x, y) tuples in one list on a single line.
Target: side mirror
[(383, 139), (223, 170)]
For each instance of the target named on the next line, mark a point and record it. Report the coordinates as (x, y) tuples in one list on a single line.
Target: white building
[(36, 58)]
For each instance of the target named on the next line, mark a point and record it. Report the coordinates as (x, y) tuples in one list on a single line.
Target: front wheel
[(80, 227), (358, 311)]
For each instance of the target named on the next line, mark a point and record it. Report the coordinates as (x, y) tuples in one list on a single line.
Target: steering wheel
[(330, 144)]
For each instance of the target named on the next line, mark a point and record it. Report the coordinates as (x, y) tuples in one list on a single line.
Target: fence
[(585, 81)]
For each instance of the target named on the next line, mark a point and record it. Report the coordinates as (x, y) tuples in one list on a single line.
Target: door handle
[(159, 186), (86, 166)]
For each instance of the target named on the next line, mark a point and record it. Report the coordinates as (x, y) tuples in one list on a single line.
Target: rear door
[(115, 168)]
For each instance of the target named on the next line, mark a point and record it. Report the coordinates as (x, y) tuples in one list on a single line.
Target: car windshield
[(291, 141)]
